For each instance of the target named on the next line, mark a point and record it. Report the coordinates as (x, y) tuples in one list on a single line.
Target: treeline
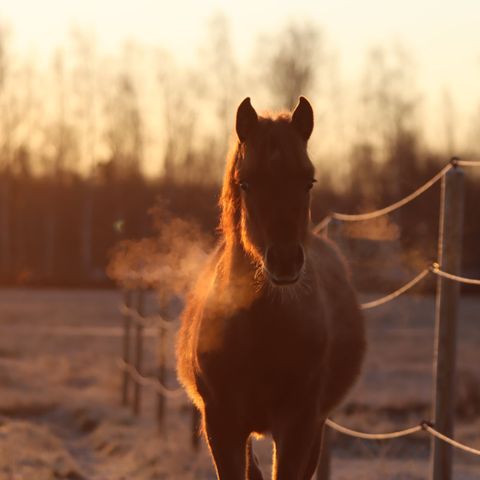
[(90, 142), (61, 230)]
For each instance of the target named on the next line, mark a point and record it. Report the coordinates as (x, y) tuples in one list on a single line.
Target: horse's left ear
[(247, 120), (302, 118)]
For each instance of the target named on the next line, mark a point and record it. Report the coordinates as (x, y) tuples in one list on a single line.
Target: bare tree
[(389, 120), (16, 126), (61, 149), (124, 132), (177, 94), (59, 154), (221, 81), (5, 152), (290, 61), (85, 94), (388, 95), (449, 123)]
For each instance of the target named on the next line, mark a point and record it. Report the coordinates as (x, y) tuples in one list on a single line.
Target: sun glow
[(443, 50)]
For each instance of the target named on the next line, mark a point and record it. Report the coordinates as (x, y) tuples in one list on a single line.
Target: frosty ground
[(61, 418)]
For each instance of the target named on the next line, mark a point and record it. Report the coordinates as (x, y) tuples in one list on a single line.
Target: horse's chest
[(288, 343), (263, 350)]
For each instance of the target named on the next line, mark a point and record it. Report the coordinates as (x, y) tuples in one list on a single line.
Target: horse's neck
[(235, 285), (237, 265)]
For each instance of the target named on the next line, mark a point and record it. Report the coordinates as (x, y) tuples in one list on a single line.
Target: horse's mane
[(230, 196)]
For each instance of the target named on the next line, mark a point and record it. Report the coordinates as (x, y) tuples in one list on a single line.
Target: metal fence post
[(138, 352), (449, 258), (127, 321)]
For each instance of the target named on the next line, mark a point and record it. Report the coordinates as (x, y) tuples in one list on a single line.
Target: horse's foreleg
[(253, 471), (314, 455), (297, 448), (227, 445)]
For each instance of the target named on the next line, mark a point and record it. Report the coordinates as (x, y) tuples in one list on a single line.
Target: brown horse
[(272, 337)]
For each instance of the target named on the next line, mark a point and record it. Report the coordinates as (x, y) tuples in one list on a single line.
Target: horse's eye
[(310, 184), (245, 186)]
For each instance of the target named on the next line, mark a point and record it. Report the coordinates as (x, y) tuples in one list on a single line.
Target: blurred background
[(107, 108), (115, 121)]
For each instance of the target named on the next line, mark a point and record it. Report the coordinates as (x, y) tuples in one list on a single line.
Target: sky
[(442, 36)]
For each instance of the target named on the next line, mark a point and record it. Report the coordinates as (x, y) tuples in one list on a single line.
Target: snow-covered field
[(60, 413)]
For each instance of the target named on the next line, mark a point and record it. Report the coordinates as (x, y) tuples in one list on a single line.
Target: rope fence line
[(465, 163), (396, 293), (422, 426), (435, 268), (372, 436), (147, 321), (360, 217), (149, 382), (454, 443)]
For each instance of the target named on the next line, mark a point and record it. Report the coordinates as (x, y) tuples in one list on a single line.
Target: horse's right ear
[(247, 120), (302, 118)]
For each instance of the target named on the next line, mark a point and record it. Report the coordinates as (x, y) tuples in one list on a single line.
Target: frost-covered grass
[(60, 416)]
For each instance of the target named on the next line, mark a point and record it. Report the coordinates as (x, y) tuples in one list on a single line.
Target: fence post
[(127, 321), (138, 352), (449, 258), (161, 376)]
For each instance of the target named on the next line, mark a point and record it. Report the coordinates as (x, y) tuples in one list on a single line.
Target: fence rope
[(150, 321), (435, 268), (454, 443), (466, 163), (373, 436), (396, 293), (422, 426), (347, 217), (149, 382), (320, 227)]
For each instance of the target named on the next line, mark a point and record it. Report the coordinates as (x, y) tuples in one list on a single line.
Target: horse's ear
[(302, 118), (247, 119)]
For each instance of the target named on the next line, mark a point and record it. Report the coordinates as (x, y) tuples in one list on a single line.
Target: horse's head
[(273, 176)]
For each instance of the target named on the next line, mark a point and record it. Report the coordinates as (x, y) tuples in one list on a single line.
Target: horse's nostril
[(284, 261)]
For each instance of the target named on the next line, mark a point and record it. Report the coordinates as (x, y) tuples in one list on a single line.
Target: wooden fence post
[(162, 354), (449, 258), (138, 351), (127, 321)]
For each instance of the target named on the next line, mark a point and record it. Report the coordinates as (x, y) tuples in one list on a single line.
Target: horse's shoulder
[(328, 258)]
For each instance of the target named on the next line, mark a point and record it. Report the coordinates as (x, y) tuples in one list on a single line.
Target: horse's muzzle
[(284, 263)]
